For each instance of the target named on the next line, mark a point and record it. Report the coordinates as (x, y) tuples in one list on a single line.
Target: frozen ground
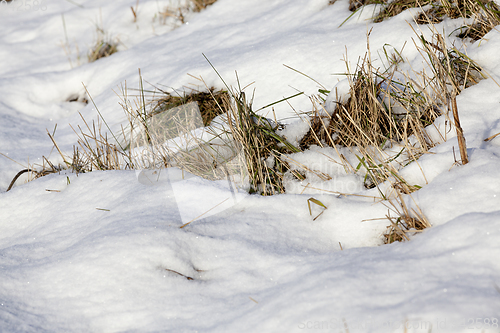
[(103, 251)]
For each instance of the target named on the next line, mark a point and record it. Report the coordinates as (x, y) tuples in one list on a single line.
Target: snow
[(105, 251)]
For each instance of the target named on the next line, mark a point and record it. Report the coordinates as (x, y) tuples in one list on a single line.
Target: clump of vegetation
[(439, 9), (162, 131), (261, 145), (379, 113), (245, 142), (383, 121), (179, 13), (102, 49), (396, 7), (486, 17), (390, 108), (104, 46), (486, 13), (199, 5), (209, 102), (354, 5), (95, 151), (407, 221)]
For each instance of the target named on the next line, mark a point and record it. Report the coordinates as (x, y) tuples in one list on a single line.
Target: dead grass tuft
[(486, 13), (200, 5), (179, 13), (396, 7), (102, 49), (438, 12), (486, 17), (354, 5), (167, 129), (407, 221), (380, 110), (95, 151), (384, 117), (261, 145), (208, 102), (363, 118), (104, 46)]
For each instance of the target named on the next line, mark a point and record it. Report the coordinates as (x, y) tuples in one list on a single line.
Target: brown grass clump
[(486, 14), (354, 5), (398, 6), (486, 17), (392, 109), (363, 116), (102, 49), (439, 11), (208, 102), (434, 15), (199, 5), (104, 46), (383, 118), (369, 119), (179, 13), (368, 123), (262, 147), (162, 126), (95, 151), (246, 143), (452, 70), (400, 227), (407, 221), (167, 117)]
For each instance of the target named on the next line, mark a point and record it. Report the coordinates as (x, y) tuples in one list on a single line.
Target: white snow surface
[(104, 251)]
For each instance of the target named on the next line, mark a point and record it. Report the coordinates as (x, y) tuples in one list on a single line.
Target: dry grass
[(486, 17), (486, 14), (179, 13), (200, 5), (407, 221), (104, 46), (162, 131), (142, 144), (262, 147), (384, 119), (380, 113), (102, 49), (245, 144), (435, 14), (363, 117), (398, 6), (208, 102), (453, 71), (438, 12), (96, 152), (354, 5), (35, 172)]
